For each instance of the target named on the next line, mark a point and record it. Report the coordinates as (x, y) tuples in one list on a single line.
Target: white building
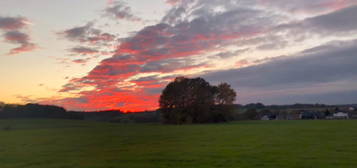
[(265, 118), (341, 115)]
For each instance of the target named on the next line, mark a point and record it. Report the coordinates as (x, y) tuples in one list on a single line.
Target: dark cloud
[(120, 11), (325, 65), (12, 23), (87, 34), (335, 23), (229, 54), (16, 37), (84, 50), (339, 21), (169, 65), (12, 27), (333, 97), (92, 43), (77, 33)]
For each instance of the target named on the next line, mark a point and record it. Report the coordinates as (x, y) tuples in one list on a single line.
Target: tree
[(194, 101), (183, 99), (225, 94)]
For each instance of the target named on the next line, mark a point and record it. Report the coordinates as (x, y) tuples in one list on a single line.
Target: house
[(268, 117), (311, 115), (340, 115), (265, 118)]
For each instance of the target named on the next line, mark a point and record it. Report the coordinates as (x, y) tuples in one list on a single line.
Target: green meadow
[(245, 144)]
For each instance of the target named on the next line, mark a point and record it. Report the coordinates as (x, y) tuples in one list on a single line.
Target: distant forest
[(241, 112), (11, 111)]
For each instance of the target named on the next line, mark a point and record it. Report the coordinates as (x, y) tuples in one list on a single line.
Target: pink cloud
[(12, 27), (120, 11), (23, 48), (12, 23), (172, 2), (20, 38)]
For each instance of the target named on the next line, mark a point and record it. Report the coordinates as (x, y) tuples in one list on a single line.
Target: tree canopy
[(194, 100)]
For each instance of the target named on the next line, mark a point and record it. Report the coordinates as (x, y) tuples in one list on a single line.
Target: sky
[(120, 54)]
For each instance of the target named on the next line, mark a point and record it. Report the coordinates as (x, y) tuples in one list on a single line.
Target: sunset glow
[(120, 54)]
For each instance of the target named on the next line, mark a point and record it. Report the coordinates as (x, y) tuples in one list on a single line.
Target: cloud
[(87, 34), (169, 65), (120, 11), (229, 54), (12, 23), (336, 23), (91, 41), (26, 99), (83, 50), (172, 2), (304, 7), (327, 65), (81, 61), (339, 21), (193, 29), (12, 26), (77, 33), (165, 48), (16, 37)]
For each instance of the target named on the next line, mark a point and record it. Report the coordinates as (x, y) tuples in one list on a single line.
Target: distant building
[(265, 118), (311, 115), (268, 117), (340, 115)]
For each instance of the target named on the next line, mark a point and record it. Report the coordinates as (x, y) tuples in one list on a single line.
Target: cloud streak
[(12, 23), (120, 11), (12, 28), (330, 65), (87, 34)]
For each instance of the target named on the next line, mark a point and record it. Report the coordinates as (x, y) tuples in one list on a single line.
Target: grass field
[(248, 144)]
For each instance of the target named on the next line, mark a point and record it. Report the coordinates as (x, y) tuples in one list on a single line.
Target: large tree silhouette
[(225, 95), (194, 101)]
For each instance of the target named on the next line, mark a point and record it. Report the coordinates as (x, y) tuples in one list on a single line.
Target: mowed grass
[(246, 144)]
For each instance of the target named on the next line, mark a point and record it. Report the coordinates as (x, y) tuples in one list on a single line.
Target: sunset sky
[(108, 54)]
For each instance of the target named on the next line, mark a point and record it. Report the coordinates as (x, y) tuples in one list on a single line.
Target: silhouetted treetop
[(225, 95), (184, 92), (194, 100)]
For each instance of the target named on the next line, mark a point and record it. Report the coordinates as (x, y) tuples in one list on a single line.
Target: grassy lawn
[(247, 144)]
